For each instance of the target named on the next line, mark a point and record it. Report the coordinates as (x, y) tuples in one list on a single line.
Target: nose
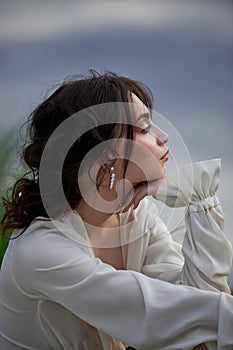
[(161, 136)]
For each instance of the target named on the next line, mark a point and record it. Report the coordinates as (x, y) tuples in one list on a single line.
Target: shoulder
[(45, 255), (46, 243), (66, 227)]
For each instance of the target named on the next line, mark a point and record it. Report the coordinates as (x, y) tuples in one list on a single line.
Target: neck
[(94, 217), (91, 212)]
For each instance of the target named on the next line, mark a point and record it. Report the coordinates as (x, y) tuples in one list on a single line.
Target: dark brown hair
[(72, 96)]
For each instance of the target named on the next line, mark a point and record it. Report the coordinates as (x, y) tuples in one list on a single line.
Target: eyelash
[(146, 130)]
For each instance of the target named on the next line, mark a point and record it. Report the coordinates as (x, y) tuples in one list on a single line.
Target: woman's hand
[(140, 191), (191, 183)]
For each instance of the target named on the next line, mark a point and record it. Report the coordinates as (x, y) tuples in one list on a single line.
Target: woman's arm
[(138, 310), (207, 252), (164, 259)]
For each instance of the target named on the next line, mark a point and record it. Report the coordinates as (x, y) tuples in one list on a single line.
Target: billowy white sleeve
[(146, 313), (206, 250), (163, 259)]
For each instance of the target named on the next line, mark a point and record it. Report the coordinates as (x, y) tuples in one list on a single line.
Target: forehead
[(138, 107), (136, 100)]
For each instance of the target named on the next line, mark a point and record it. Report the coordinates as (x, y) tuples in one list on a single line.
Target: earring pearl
[(112, 178)]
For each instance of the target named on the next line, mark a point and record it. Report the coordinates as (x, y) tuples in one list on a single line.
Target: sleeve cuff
[(194, 184), (204, 204)]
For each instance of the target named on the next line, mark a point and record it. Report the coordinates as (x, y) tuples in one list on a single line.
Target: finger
[(153, 186), (140, 194), (140, 191)]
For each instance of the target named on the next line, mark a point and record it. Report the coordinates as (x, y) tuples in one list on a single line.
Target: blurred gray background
[(181, 49)]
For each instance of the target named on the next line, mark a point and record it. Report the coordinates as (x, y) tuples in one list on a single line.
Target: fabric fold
[(190, 184)]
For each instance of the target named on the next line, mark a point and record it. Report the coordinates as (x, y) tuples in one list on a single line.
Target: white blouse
[(54, 293)]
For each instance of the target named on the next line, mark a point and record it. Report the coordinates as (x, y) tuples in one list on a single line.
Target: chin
[(164, 170), (136, 175), (157, 174)]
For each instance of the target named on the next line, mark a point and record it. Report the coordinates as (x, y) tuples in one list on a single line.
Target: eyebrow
[(144, 116)]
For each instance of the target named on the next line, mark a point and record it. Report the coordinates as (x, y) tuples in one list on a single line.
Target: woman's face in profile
[(149, 153)]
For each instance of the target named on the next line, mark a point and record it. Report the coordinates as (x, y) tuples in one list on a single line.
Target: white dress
[(54, 293)]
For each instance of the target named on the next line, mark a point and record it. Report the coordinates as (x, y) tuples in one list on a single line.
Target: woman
[(90, 264)]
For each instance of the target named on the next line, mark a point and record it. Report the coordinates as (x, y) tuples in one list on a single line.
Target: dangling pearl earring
[(112, 178)]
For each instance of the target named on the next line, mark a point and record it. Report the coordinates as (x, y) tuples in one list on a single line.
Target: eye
[(146, 130)]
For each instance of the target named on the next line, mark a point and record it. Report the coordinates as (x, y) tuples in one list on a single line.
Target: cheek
[(144, 165)]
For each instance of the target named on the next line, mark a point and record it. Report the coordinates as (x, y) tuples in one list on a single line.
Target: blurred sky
[(183, 50)]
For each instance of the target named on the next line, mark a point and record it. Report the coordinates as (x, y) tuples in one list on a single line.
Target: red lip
[(165, 155)]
